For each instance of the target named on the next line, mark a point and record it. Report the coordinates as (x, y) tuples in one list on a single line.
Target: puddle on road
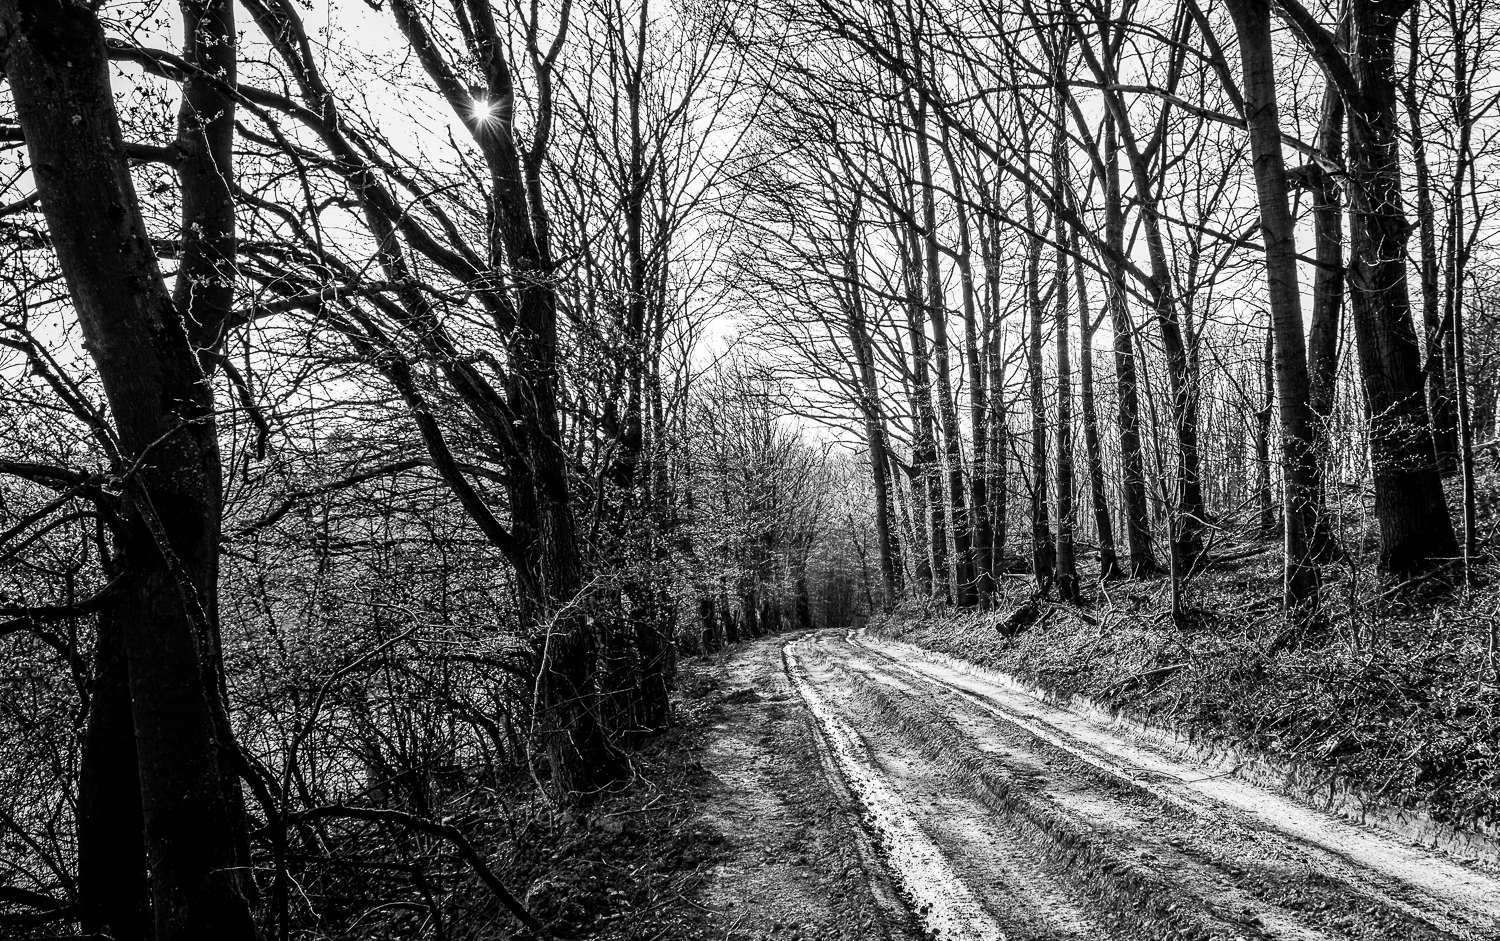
[(946, 908)]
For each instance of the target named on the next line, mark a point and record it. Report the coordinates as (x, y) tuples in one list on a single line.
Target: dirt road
[(1003, 817)]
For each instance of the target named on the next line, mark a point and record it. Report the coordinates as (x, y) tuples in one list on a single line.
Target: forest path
[(1004, 817)]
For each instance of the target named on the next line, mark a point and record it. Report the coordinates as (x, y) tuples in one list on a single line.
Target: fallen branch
[(1075, 611), (1119, 686)]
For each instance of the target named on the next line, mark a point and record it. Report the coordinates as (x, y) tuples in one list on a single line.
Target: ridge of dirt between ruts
[(1403, 736)]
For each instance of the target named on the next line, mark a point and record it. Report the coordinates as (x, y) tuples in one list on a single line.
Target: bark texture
[(162, 408)]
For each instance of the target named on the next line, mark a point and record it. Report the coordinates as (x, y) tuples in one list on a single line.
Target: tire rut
[(997, 826)]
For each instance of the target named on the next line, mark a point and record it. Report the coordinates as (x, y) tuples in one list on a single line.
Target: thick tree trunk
[(801, 599), (885, 536), (204, 285), (113, 885), (543, 541), (581, 758), (1416, 531), (163, 413), (749, 621), (654, 628)]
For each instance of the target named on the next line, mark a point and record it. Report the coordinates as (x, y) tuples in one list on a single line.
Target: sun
[(481, 110)]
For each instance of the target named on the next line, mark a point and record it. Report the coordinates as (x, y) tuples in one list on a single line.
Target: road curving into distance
[(1004, 817)]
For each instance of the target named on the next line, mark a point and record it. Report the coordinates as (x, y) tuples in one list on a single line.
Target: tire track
[(1005, 817)]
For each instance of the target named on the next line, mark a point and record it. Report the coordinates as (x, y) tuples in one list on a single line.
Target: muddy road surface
[(999, 816)]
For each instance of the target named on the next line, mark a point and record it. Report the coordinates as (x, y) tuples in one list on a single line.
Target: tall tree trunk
[(1327, 306), (1440, 403), (983, 550), (936, 576), (999, 462), (641, 677), (1299, 456), (1132, 463), (1187, 530), (1043, 552), (1109, 563), (203, 288), (1416, 531), (937, 314), (162, 408), (874, 420), (543, 541), (1459, 249), (902, 485), (1066, 567), (708, 624), (581, 758)]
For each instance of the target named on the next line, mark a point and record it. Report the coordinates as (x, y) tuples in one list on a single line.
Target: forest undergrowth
[(628, 866), (1397, 696)]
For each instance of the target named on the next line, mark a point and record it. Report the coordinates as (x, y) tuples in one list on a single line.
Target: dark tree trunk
[(1187, 529), (983, 550), (749, 623), (802, 601), (1416, 531), (1132, 464), (1043, 552), (1440, 402), (542, 543), (204, 285), (874, 419), (933, 570), (163, 412), (1265, 506), (1066, 567), (1459, 247), (1327, 306), (999, 463), (708, 624), (653, 644), (1109, 563), (730, 628), (937, 315), (1299, 455), (113, 885)]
